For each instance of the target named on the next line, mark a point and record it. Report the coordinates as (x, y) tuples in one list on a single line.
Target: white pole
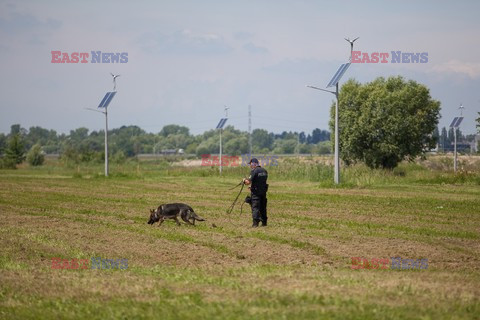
[(106, 143), (337, 158), (220, 151), (455, 149)]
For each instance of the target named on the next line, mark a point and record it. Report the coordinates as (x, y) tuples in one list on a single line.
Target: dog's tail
[(197, 217)]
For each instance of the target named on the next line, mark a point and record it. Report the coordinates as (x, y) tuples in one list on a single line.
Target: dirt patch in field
[(188, 163)]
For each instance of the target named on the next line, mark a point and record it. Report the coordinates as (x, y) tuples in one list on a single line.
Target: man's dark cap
[(254, 160)]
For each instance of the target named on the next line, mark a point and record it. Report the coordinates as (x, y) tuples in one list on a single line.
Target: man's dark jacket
[(258, 178)]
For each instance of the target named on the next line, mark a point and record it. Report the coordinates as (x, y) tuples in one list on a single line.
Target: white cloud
[(471, 69), (184, 42)]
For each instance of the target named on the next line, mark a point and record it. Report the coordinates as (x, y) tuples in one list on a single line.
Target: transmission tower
[(250, 130)]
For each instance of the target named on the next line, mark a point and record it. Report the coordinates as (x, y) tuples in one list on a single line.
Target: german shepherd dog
[(172, 211)]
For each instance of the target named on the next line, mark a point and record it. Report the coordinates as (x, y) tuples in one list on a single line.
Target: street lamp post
[(454, 125), (337, 149), (104, 104), (106, 136), (334, 82), (455, 150), (220, 126)]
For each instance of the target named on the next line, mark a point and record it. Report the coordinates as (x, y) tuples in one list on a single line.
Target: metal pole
[(455, 150), (337, 158), (106, 143), (336, 177), (220, 151)]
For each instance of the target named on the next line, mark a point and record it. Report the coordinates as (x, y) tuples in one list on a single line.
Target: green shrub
[(35, 156)]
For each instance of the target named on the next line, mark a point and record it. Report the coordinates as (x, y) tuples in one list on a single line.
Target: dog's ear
[(152, 210)]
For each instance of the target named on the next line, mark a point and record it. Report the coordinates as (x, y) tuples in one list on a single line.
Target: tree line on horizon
[(83, 145), (383, 122)]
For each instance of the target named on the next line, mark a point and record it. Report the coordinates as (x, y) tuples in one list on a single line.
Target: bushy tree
[(302, 138), (478, 129), (15, 151), (385, 121), (209, 146), (3, 143), (174, 129), (444, 141), (119, 157), (35, 156), (261, 139), (323, 147), (69, 155), (305, 148), (318, 135), (478, 123), (283, 146), (237, 146)]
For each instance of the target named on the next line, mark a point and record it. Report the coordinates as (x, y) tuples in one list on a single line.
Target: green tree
[(3, 143), (324, 147), (236, 146), (15, 152), (35, 156), (478, 123), (305, 148), (261, 139), (174, 129), (191, 148), (444, 141), (285, 146), (385, 121), (16, 129), (319, 135), (38, 135), (478, 129), (69, 155), (79, 134), (209, 146)]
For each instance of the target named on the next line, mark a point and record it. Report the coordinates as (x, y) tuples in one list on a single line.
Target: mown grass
[(296, 268)]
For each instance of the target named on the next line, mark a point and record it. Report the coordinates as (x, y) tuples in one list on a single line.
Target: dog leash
[(241, 182), (229, 210), (241, 207)]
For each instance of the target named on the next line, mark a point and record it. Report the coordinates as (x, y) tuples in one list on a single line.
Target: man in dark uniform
[(259, 187)]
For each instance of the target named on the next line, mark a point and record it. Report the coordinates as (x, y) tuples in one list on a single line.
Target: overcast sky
[(187, 59)]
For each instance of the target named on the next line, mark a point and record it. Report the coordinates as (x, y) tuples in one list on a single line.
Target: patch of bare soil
[(188, 163)]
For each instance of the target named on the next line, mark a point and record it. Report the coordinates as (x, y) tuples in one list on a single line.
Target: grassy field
[(299, 267)]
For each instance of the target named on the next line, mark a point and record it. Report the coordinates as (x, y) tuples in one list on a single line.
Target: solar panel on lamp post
[(334, 82), (220, 125), (104, 104)]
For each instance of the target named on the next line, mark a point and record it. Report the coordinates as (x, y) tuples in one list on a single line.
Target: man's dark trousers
[(259, 208)]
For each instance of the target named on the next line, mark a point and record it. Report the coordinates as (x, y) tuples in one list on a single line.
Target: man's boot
[(264, 223), (255, 224)]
